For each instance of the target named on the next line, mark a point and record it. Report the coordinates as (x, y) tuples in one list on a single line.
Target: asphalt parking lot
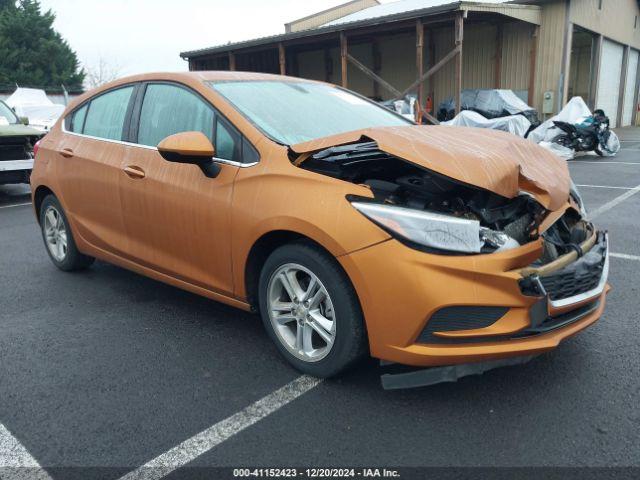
[(111, 370)]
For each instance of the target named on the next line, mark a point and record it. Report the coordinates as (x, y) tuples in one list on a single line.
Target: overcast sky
[(148, 35)]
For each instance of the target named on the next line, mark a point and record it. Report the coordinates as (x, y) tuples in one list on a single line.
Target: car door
[(91, 153), (177, 218)]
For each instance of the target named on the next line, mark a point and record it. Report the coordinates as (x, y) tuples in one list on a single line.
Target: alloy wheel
[(301, 312), (55, 233)]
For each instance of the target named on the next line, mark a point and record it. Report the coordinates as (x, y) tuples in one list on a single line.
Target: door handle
[(134, 172), (66, 152)]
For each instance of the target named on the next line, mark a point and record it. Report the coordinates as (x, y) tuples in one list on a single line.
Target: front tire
[(310, 310), (58, 238)]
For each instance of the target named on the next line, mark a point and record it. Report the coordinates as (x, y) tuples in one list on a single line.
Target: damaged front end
[(438, 214), (554, 278), (425, 209)]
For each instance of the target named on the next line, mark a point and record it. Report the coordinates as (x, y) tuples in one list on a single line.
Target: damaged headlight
[(436, 230)]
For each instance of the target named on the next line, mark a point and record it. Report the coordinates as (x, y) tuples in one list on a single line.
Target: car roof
[(211, 76)]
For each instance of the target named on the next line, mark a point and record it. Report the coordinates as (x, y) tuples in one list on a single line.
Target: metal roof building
[(545, 50)]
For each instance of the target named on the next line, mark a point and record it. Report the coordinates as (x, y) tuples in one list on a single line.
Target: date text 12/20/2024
[(316, 473)]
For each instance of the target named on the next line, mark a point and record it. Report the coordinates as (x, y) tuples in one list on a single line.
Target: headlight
[(435, 230)]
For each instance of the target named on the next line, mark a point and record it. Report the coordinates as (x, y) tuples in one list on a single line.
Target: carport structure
[(452, 46)]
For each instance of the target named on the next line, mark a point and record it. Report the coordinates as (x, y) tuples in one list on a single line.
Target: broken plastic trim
[(434, 375)]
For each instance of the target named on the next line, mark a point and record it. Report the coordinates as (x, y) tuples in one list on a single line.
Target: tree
[(100, 73), (32, 53)]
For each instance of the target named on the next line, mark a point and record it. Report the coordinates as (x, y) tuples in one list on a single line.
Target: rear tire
[(58, 238), (310, 310)]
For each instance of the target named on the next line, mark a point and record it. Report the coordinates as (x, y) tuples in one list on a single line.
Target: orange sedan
[(349, 228)]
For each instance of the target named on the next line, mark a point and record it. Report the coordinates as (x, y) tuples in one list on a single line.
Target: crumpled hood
[(488, 159)]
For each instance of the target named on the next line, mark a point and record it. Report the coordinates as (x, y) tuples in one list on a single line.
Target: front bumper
[(14, 165), (402, 291)]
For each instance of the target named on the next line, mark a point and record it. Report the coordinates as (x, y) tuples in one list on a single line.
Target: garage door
[(630, 89), (609, 79)]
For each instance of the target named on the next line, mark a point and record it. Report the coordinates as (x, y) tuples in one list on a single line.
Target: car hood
[(488, 159), (18, 131)]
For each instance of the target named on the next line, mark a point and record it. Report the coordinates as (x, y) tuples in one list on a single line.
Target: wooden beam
[(533, 58), (343, 59), (232, 61), (282, 58), (499, 39), (459, 30), (372, 75), (447, 58), (420, 59)]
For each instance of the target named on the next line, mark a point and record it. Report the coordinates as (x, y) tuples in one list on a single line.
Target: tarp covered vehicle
[(36, 106)]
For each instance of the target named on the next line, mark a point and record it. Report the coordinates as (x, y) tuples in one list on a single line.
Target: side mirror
[(190, 147), (24, 120)]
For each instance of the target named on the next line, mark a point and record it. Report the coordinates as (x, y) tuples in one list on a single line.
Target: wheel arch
[(260, 251), (38, 196)]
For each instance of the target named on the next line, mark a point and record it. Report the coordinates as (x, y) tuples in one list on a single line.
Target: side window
[(77, 120), (106, 114), (169, 109), (227, 142)]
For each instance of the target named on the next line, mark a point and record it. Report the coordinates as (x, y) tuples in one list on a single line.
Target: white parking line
[(16, 463), (204, 441), (625, 256), (602, 162), (616, 201), (605, 186), (15, 205)]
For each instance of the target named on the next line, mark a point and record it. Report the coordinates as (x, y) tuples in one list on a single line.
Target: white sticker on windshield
[(347, 97), (4, 121)]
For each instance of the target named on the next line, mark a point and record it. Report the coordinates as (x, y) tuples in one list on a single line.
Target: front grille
[(14, 151), (574, 281)]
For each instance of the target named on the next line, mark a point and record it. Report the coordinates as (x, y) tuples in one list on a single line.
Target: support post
[(444, 60), (498, 71), (232, 61), (343, 58), (459, 29), (420, 59), (533, 58), (282, 58)]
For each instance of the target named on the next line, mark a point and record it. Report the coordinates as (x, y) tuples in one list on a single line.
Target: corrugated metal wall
[(398, 61), (616, 19), (397, 58), (549, 57), (516, 55)]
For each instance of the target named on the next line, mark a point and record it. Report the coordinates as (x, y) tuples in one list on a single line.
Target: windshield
[(295, 112), (6, 115)]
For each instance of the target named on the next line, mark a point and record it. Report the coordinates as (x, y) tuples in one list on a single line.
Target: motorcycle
[(591, 134)]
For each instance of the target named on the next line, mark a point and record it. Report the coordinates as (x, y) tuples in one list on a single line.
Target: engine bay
[(397, 182)]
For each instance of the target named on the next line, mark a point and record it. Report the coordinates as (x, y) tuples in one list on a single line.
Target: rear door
[(178, 220), (91, 153)]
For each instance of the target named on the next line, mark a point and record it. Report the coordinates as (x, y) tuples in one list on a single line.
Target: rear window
[(107, 113)]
